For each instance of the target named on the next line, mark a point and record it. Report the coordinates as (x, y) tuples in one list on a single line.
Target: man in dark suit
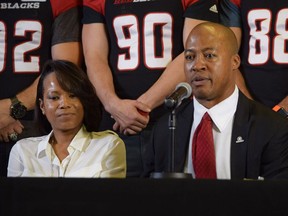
[(250, 140)]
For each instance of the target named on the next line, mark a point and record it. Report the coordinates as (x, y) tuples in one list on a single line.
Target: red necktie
[(203, 153)]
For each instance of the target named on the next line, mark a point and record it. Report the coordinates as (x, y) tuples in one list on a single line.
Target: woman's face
[(63, 110)]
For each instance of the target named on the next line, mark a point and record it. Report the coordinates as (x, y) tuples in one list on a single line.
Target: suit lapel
[(239, 142)]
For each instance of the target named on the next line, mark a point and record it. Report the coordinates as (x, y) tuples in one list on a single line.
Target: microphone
[(183, 90)]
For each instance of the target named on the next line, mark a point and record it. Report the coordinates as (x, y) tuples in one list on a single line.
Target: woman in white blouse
[(68, 111)]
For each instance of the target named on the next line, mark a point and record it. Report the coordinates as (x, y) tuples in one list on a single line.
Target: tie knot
[(206, 117)]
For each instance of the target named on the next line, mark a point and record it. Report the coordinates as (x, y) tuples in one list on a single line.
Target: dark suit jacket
[(259, 145)]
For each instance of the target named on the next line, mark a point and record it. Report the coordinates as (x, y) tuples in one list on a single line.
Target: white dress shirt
[(222, 116), (91, 155)]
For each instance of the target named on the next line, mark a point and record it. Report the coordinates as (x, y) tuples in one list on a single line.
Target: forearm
[(71, 51), (101, 77), (96, 59), (28, 96), (240, 82), (165, 85)]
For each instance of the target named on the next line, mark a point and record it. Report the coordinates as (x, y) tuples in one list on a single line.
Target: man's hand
[(5, 118), (131, 116), (15, 127)]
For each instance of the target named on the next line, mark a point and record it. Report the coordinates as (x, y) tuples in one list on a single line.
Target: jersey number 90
[(132, 41)]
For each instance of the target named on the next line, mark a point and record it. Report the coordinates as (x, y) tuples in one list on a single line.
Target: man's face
[(209, 66)]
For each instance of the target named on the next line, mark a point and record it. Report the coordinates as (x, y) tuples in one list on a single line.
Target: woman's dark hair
[(73, 80)]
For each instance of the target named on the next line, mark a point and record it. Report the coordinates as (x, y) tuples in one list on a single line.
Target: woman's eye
[(52, 97), (72, 95)]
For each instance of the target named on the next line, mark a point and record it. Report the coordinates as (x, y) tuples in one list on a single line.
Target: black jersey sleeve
[(203, 10), (92, 16), (229, 14), (67, 26)]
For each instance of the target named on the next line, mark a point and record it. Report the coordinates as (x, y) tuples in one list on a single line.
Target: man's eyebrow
[(208, 49), (203, 50)]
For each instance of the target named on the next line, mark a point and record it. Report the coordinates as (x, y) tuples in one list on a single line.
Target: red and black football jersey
[(144, 36), (264, 45), (26, 31)]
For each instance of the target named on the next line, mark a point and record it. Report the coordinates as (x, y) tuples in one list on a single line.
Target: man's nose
[(199, 63)]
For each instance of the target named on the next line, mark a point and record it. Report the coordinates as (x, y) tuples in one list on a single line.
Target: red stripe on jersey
[(236, 2), (59, 6), (97, 5), (187, 3)]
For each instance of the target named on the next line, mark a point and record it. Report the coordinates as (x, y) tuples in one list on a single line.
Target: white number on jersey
[(19, 52), (132, 43), (260, 35)]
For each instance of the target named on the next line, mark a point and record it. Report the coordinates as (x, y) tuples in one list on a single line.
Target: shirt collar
[(80, 142), (221, 113), (44, 147)]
